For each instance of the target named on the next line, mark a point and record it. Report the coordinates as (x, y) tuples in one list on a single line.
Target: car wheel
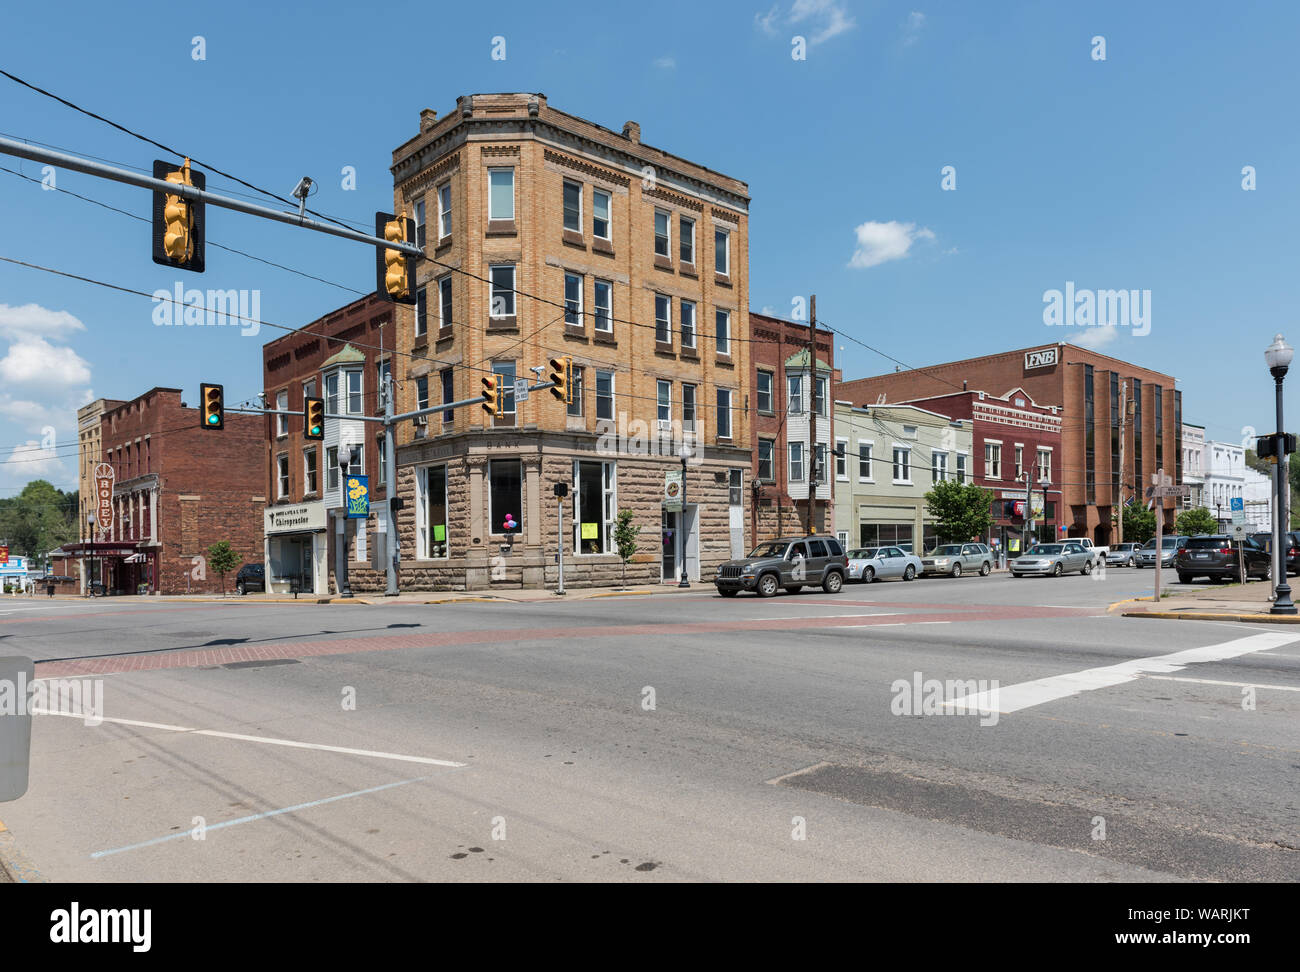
[(1056, 571), (910, 573), (767, 585), (239, 588), (1132, 562), (868, 574), (794, 589), (1087, 568), (985, 568), (1268, 573), (727, 591), (833, 582), (956, 570)]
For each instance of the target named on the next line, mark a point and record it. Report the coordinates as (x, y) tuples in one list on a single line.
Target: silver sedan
[(877, 563), (1052, 559)]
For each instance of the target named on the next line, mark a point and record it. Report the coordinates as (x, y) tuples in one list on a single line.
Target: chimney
[(466, 105), (632, 132), (428, 118)]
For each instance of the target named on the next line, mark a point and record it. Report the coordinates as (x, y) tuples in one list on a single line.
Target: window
[(444, 302), (503, 289), (765, 391), (723, 323), (593, 507), (600, 214), (1044, 464), (573, 300), (444, 211), (421, 311), (766, 448), (665, 403), (663, 319), (661, 233), (448, 393), (842, 459), (422, 392), (864, 462), (939, 466), (992, 460), (354, 391), (736, 487), (309, 470), (961, 467), (1020, 460), (282, 421), (433, 529), (604, 301), (604, 394), (572, 206), (819, 464), (419, 224), (722, 251), (794, 393), (505, 486), (501, 193), (724, 413), (332, 467), (819, 397), (688, 324), (505, 372), (688, 408), (902, 464), (332, 392), (686, 239), (575, 390), (282, 475), (796, 462)]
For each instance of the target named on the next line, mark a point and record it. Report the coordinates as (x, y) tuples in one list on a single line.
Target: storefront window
[(433, 529), (594, 508), (891, 534), (506, 485)]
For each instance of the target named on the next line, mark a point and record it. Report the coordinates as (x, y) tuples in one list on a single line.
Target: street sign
[(1183, 490), (521, 389), (1238, 507), (1239, 531)]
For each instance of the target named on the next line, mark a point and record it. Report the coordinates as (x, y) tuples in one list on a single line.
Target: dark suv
[(792, 563), (251, 577), (1292, 541), (1216, 557)]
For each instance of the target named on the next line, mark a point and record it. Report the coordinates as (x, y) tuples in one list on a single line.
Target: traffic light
[(313, 424), (178, 223), (214, 414), (562, 375), (492, 403), (394, 270)]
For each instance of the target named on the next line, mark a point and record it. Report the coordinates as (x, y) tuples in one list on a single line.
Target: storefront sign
[(358, 496), (104, 498), (4, 555), (673, 491), (297, 518), (1042, 358)]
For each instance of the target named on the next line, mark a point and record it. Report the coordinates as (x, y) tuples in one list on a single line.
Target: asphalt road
[(674, 737)]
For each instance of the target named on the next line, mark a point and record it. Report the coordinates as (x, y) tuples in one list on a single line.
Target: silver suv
[(954, 559), (792, 563), (1170, 545)]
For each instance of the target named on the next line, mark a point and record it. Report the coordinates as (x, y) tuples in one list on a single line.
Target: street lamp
[(1045, 482), (685, 453), (1278, 357), (90, 565)]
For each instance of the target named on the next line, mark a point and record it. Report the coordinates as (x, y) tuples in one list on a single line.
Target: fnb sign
[(1042, 358)]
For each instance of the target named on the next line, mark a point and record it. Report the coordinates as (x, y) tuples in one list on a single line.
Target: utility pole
[(812, 413)]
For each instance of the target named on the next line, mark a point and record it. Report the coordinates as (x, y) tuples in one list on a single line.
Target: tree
[(960, 512), (1139, 523), (38, 519), (223, 560), (625, 536), (1196, 520)]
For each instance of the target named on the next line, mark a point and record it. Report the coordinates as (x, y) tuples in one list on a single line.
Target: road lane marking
[(269, 740), (891, 624), (256, 816), (1212, 681), (1013, 698), (816, 617)]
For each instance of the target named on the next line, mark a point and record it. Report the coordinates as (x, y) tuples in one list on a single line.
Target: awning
[(135, 558)]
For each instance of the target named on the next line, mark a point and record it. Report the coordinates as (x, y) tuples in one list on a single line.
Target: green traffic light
[(213, 419), (315, 430)]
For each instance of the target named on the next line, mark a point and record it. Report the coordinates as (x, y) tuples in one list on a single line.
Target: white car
[(867, 564)]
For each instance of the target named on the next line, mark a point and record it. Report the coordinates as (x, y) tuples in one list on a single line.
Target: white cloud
[(1096, 336), (824, 19), (667, 62), (34, 361), (29, 461), (881, 242), (767, 22), (912, 28), (33, 320)]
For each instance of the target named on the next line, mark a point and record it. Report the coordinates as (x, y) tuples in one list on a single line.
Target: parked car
[(886, 563), (1292, 540), (792, 563), (1170, 547), (1216, 557), (250, 577), (954, 559), (1098, 554), (1122, 555), (1055, 559)]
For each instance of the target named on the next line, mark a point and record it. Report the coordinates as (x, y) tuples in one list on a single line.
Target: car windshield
[(1149, 545), (1045, 550), (949, 550), (774, 549), (862, 553), (1168, 542)]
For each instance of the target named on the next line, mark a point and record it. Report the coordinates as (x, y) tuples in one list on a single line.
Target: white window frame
[(938, 466), (608, 506), (668, 233), (1044, 472), (663, 325), (444, 210), (510, 294), (613, 380), (282, 421), (870, 457), (423, 529), (725, 233), (1020, 459), (771, 391), (576, 312), (359, 394), (608, 309), (689, 424), (509, 407), (794, 394), (420, 225), (906, 450), (683, 219), (421, 311), (514, 189), (282, 475), (792, 463), (722, 330), (842, 462), (821, 390), (725, 411), (992, 460), (962, 470), (310, 476), (564, 207), (771, 460), (664, 402), (688, 332), (443, 319), (332, 468), (609, 214)]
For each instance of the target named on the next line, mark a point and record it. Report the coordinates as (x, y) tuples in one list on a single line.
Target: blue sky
[(1123, 173)]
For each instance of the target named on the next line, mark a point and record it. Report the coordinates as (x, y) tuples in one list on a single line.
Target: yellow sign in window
[(591, 531)]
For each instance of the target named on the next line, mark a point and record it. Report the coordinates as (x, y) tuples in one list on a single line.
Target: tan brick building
[(549, 235)]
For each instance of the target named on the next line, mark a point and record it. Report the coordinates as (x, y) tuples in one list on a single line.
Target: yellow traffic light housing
[(313, 423), (395, 270), (212, 402), (492, 403), (562, 375), (178, 222)]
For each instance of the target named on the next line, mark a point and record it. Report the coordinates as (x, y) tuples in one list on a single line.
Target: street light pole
[(1278, 356), (90, 563), (681, 517)]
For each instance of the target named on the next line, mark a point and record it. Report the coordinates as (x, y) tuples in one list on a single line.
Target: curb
[(1206, 616), (16, 866)]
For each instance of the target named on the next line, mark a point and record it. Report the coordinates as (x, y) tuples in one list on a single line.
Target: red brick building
[(1088, 388), (336, 358), (1012, 437), (178, 488), (784, 390)]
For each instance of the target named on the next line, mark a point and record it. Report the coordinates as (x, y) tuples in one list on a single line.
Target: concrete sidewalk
[(1215, 602)]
